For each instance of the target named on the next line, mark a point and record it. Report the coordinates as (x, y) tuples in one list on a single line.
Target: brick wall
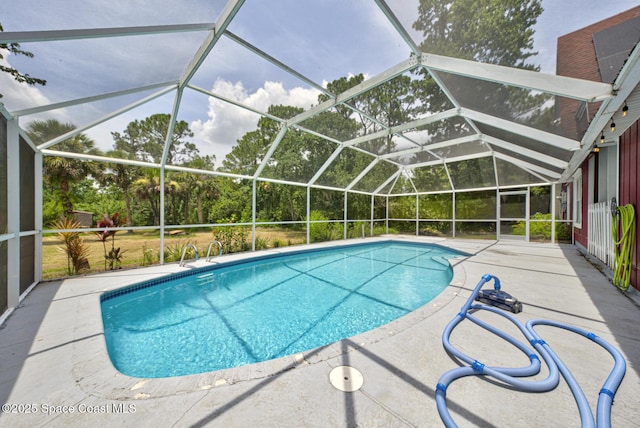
[(576, 57)]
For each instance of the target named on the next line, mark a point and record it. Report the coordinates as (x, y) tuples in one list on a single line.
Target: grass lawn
[(134, 246)]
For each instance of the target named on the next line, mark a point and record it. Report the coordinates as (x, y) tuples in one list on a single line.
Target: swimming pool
[(246, 312)]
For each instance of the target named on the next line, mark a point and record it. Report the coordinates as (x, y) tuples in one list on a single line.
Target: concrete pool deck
[(55, 371)]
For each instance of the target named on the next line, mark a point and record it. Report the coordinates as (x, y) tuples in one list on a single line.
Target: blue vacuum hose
[(513, 376)]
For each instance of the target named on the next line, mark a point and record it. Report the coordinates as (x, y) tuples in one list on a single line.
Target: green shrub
[(147, 256), (173, 253), (319, 232), (541, 229), (74, 246), (262, 243), (232, 238), (355, 230)]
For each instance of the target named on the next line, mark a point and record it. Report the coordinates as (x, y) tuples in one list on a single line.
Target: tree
[(250, 150), (339, 86), (245, 157), (15, 49), (62, 172), (123, 177), (145, 140), (390, 104), (201, 186), (490, 31), (147, 188)]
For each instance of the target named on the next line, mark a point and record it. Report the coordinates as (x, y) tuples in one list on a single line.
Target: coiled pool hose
[(623, 225), (511, 376)]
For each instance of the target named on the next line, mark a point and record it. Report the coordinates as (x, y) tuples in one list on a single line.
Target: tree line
[(469, 29)]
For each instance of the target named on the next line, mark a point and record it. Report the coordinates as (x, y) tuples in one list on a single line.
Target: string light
[(596, 149), (602, 138), (613, 126), (625, 109)]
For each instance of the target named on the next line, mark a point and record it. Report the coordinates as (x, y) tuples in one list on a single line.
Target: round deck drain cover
[(346, 378)]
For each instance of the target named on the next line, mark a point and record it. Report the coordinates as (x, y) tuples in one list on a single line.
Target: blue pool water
[(227, 316)]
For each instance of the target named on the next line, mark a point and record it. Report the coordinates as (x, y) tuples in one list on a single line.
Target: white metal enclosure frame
[(545, 157)]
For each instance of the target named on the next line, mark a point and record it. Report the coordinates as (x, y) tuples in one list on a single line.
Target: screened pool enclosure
[(352, 115)]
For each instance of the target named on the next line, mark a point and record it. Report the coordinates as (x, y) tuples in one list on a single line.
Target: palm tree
[(147, 189), (122, 176), (62, 172), (202, 186)]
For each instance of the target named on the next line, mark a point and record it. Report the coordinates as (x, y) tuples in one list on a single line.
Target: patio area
[(55, 370)]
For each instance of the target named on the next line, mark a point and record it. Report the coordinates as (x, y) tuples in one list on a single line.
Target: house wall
[(629, 189), (580, 234), (576, 57)]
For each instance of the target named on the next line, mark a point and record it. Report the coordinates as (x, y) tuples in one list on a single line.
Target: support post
[(344, 217), (13, 214), (161, 216), (308, 215), (38, 216), (253, 215)]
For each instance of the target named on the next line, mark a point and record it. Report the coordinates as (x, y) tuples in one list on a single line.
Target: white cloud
[(227, 123), (16, 96)]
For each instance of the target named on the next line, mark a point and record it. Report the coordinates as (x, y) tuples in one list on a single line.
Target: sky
[(323, 40)]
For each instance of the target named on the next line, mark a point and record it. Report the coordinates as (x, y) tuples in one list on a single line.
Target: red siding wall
[(629, 188), (580, 235)]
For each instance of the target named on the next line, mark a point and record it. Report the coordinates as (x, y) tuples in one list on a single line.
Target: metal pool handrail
[(208, 259), (184, 252)]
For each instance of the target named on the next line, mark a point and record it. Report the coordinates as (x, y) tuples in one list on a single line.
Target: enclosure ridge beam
[(366, 116), (168, 140), (315, 133), (95, 33), (406, 152), (79, 101), (103, 119), (236, 103), (364, 172), (206, 172), (391, 178), (550, 160), (569, 87), (414, 143), (119, 161), (274, 145), (534, 173), (447, 114), (527, 165), (374, 81), (335, 189), (276, 62), (436, 117), (451, 160), (96, 158), (428, 147), (444, 88), (228, 13), (410, 179), (326, 164), (384, 7), (523, 130)]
